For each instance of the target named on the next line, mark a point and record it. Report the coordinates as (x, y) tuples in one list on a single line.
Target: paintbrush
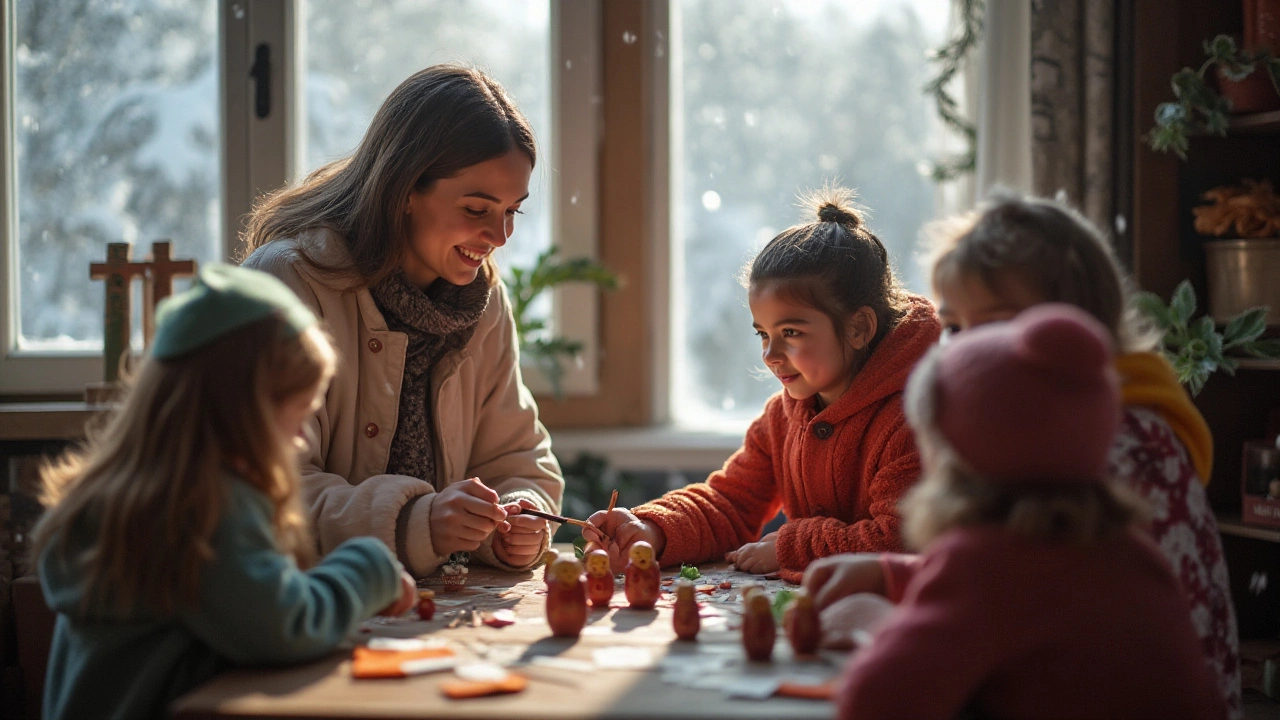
[(554, 518)]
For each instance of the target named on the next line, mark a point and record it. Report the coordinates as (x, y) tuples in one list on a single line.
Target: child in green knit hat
[(174, 544)]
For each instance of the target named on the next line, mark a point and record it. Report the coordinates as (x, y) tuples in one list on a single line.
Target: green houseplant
[(1194, 346), (525, 285), (1197, 106)]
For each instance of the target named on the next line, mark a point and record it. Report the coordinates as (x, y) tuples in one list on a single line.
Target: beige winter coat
[(486, 422)]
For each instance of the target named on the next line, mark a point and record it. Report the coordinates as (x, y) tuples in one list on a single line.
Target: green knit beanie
[(224, 298)]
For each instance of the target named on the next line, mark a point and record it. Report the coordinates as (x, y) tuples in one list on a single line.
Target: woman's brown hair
[(136, 508), (438, 122)]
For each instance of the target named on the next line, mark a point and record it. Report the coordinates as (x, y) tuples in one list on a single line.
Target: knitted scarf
[(439, 320)]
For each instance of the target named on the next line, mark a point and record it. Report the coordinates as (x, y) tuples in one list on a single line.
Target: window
[(111, 134), (116, 133), (768, 98)]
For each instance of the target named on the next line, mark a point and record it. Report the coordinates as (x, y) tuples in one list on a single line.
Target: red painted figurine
[(758, 631), (599, 579), (685, 618), (426, 604), (566, 598), (643, 579), (804, 631)]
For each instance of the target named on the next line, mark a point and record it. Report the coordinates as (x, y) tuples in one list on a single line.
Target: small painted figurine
[(426, 604), (804, 631), (685, 618), (599, 579), (643, 578), (758, 631), (548, 558), (566, 598)]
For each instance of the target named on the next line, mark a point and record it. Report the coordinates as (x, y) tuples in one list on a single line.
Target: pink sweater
[(1010, 627)]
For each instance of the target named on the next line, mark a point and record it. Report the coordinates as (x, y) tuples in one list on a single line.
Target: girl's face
[(292, 413), (965, 301), (458, 221), (799, 346)]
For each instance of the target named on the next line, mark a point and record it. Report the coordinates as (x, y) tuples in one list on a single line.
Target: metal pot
[(1242, 274)]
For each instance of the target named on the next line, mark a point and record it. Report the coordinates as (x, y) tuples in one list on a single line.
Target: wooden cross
[(162, 269), (118, 272)]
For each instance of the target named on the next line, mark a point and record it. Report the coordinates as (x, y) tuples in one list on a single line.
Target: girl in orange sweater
[(832, 450)]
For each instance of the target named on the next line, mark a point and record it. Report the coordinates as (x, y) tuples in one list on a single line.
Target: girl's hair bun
[(834, 204)]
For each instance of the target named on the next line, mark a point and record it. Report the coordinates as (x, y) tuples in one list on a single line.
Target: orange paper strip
[(387, 663)]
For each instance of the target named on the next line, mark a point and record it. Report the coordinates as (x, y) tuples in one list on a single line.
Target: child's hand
[(616, 530), (852, 620), (408, 596), (463, 515), (832, 578), (760, 558), (522, 543)]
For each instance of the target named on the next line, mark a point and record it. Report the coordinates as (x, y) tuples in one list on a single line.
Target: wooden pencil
[(554, 518)]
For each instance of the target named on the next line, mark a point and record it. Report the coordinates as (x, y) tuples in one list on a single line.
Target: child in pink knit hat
[(1033, 596)]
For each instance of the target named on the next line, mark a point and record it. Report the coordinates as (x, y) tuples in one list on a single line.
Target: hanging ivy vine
[(950, 58)]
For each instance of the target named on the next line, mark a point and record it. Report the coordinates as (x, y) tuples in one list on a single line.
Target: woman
[(427, 438)]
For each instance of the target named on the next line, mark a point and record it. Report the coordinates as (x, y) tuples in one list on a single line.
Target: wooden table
[(326, 688)]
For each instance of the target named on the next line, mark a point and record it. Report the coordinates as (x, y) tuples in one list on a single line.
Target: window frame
[(257, 155)]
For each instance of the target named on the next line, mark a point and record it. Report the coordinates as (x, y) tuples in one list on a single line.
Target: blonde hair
[(952, 495), (1048, 245), (435, 124), (148, 485)]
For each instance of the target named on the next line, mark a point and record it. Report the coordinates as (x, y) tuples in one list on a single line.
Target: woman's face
[(458, 221)]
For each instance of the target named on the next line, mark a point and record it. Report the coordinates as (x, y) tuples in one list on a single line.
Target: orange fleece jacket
[(838, 474)]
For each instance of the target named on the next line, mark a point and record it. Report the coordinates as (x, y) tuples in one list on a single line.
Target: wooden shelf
[(1262, 123), (1230, 523), (45, 420), (1259, 364)]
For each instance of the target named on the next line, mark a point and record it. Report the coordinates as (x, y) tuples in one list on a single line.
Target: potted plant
[(1200, 108), (1243, 270), (525, 285), (1194, 347)]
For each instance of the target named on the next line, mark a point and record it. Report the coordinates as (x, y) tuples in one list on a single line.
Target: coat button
[(371, 430), (822, 430), (375, 345)]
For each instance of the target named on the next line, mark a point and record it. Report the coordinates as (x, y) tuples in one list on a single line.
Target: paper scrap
[(622, 657)]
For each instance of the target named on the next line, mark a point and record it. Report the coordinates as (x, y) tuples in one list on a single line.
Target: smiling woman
[(427, 438)]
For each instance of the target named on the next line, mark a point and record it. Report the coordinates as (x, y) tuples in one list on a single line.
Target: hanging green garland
[(950, 58)]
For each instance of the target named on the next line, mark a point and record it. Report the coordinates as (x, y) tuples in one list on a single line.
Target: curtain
[(1003, 153), (1073, 105)]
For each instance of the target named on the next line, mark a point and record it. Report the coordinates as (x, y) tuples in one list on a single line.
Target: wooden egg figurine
[(804, 631), (426, 604), (685, 619), (643, 579), (599, 579), (758, 631), (548, 558), (566, 598)]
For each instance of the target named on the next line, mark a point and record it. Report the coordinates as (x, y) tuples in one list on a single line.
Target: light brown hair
[(952, 495), (834, 265), (148, 487), (1048, 245), (437, 123)]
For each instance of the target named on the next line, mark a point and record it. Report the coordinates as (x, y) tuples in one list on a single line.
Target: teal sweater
[(255, 608)]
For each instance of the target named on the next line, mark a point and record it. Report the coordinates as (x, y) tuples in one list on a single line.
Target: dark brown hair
[(834, 265), (437, 123)]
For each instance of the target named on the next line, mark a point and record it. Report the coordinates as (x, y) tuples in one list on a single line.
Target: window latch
[(260, 71)]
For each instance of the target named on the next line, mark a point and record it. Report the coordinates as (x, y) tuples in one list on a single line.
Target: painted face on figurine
[(597, 563), (641, 555), (566, 570)]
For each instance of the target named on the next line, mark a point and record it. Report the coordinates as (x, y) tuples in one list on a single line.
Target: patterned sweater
[(1152, 459), (838, 473)]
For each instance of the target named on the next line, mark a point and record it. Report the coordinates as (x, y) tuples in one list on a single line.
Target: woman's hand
[(408, 596), (617, 529), (463, 515), (838, 576), (522, 543), (760, 558)]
